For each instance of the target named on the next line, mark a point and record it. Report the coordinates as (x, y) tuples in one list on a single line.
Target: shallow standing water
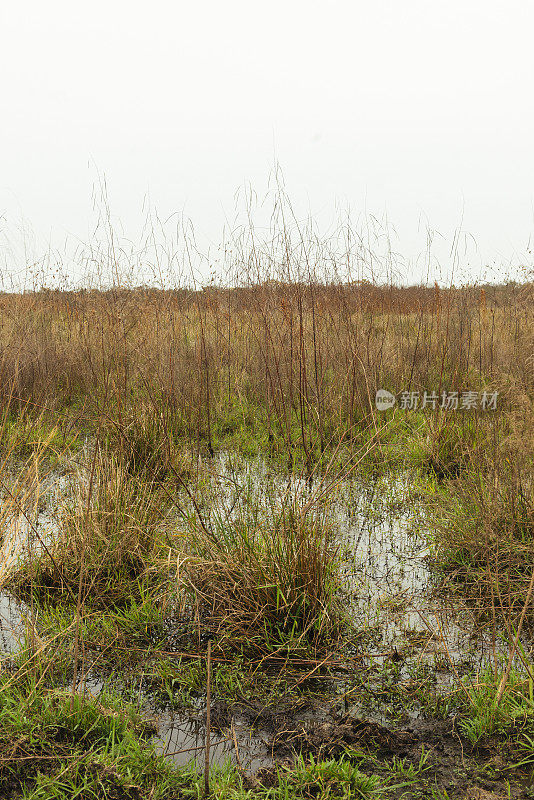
[(385, 574)]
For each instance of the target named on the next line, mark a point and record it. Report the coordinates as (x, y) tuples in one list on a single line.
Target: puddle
[(385, 561), (385, 574), (393, 587), (27, 523), (12, 625), (182, 739), (384, 567)]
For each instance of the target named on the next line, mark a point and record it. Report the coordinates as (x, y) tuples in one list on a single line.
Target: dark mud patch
[(332, 738), (432, 749), (424, 758)]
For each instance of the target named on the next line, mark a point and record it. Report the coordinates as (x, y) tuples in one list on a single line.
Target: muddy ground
[(437, 761)]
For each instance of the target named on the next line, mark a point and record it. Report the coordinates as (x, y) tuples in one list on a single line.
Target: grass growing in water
[(107, 532), (270, 578), (484, 530)]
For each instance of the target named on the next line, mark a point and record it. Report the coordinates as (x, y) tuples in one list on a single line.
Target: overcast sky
[(420, 109)]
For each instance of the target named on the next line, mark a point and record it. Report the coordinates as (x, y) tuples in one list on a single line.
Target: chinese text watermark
[(447, 401)]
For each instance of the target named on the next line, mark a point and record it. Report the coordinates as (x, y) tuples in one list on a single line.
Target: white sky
[(418, 108)]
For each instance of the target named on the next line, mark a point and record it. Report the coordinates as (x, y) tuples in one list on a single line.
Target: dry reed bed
[(317, 351)]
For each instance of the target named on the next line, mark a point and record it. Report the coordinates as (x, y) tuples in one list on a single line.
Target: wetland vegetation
[(188, 471)]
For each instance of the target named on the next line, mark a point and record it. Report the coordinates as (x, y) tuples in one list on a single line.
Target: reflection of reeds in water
[(13, 544), (20, 490)]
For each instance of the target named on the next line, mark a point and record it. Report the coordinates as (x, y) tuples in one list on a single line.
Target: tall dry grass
[(301, 361)]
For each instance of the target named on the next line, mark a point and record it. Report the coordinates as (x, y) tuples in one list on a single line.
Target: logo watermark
[(384, 400), (447, 401)]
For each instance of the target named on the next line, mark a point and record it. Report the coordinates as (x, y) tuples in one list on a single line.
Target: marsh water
[(386, 576)]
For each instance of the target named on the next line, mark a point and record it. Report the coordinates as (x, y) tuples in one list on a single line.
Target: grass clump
[(483, 525), (271, 584), (107, 531), (150, 444), (485, 713), (58, 745), (334, 778)]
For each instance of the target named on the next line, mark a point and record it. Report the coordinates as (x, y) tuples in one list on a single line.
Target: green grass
[(337, 778), (26, 432), (113, 639), (177, 682), (483, 716), (58, 746)]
